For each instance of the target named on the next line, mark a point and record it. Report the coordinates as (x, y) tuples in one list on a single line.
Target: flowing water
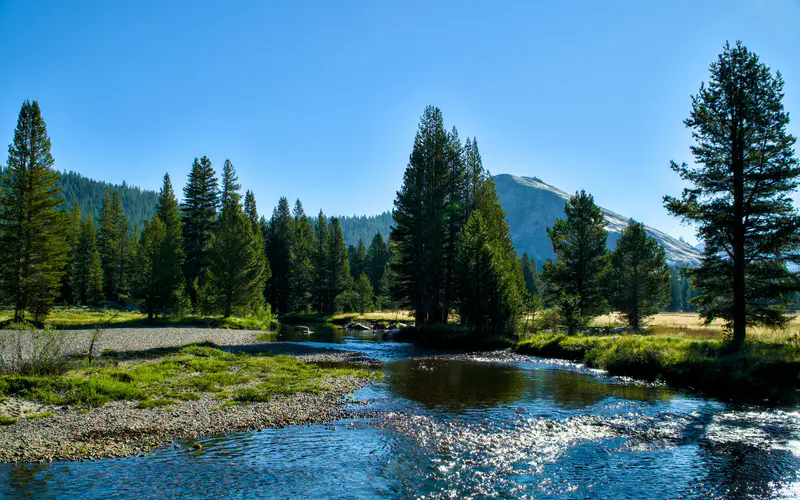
[(487, 425)]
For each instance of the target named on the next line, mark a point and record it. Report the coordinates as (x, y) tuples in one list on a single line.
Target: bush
[(32, 351)]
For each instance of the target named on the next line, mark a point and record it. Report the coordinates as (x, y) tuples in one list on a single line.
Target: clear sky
[(321, 100)]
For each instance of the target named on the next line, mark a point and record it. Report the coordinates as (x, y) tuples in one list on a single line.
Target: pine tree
[(458, 211), (377, 258), (238, 263), (33, 230), (87, 272), (250, 208), (364, 292), (339, 281), (421, 211), (531, 275), (577, 280), (358, 259), (148, 279), (301, 268), (490, 287), (319, 264), (279, 240), (112, 241), (230, 186), (641, 275), (72, 239), (172, 257), (198, 215), (740, 197)]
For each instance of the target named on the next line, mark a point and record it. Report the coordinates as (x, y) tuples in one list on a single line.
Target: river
[(481, 425)]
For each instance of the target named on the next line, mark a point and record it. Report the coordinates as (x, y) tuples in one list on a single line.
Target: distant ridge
[(531, 206), (138, 204)]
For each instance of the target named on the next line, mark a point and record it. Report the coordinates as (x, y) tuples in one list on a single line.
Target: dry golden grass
[(690, 325), (399, 315)]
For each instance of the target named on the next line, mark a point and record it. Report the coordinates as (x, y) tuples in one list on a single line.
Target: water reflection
[(494, 425), (472, 381), (325, 333), (455, 384)]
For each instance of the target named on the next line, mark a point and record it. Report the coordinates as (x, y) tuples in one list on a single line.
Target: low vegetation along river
[(468, 425)]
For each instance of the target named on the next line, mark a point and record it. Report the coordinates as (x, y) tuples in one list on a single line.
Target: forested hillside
[(138, 204), (364, 227)]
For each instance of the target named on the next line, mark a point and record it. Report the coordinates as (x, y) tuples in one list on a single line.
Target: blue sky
[(321, 100)]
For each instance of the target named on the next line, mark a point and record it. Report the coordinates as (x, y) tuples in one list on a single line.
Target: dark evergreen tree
[(741, 194), (377, 259), (490, 284), (250, 208), (641, 275), (358, 259), (32, 228), (172, 257), (114, 251), (73, 238), (198, 215), (279, 240), (87, 272), (230, 185), (578, 279), (148, 279), (319, 263), (301, 269), (238, 261), (364, 292), (531, 275), (421, 211), (339, 282)]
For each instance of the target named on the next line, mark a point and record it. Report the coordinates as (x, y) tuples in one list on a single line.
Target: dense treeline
[(449, 255), (357, 228), (138, 204)]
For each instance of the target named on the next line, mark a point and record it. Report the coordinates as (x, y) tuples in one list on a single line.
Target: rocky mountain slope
[(532, 206)]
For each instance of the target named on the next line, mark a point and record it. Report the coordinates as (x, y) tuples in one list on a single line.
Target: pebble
[(120, 428)]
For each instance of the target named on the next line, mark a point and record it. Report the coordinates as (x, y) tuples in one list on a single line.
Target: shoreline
[(125, 427), (761, 373)]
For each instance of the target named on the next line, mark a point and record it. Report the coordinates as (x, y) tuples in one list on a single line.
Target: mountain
[(532, 206), (138, 204)]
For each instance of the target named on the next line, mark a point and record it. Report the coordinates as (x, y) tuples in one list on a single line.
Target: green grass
[(4, 420), (34, 416), (760, 371), (66, 318), (184, 375)]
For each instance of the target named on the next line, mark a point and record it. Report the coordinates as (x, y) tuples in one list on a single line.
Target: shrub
[(32, 351)]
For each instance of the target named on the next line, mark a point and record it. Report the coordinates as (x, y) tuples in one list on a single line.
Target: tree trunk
[(739, 315)]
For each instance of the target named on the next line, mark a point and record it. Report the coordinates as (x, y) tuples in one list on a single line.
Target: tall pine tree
[(641, 276), (421, 230), (280, 239), (113, 244), (301, 269), (172, 257), (230, 184), (578, 279), (490, 287), (149, 286), (741, 194), (319, 263), (198, 214), (32, 229), (238, 263)]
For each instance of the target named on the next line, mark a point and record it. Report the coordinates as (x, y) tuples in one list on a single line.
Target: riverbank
[(85, 317), (131, 401), (761, 372)]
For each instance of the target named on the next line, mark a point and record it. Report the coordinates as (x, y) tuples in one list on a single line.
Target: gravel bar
[(120, 428)]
